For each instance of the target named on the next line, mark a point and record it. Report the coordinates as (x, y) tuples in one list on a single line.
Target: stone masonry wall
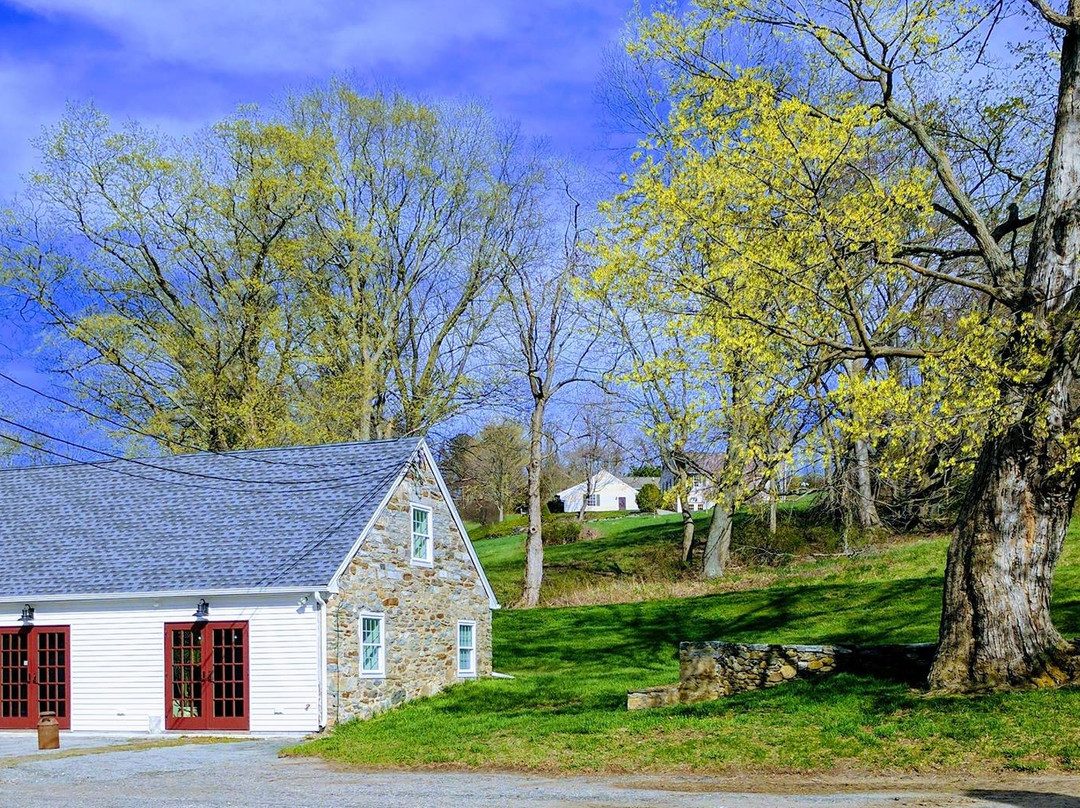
[(712, 670), (421, 608)]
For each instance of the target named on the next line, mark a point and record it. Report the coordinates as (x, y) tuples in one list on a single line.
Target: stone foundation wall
[(421, 607), (712, 670)]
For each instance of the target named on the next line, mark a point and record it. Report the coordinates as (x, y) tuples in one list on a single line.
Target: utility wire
[(111, 466), (184, 472), (120, 425), (322, 537)]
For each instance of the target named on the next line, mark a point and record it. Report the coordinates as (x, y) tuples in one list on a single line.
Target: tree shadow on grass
[(644, 635)]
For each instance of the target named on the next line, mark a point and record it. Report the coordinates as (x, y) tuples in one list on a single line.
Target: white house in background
[(701, 496), (278, 590), (608, 492)]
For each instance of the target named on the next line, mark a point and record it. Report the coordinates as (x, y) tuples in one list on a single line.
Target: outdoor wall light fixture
[(302, 602), (202, 610), (28, 613)]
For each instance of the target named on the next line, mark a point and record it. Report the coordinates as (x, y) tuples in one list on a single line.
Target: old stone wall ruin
[(712, 670)]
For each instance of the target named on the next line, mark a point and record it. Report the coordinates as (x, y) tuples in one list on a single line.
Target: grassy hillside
[(635, 558), (566, 708)]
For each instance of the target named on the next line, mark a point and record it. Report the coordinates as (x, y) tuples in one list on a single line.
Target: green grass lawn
[(639, 545), (566, 709)]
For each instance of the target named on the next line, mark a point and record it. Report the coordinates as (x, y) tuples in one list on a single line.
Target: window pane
[(371, 657), (465, 659), (371, 632), (465, 635), (420, 522), (371, 644)]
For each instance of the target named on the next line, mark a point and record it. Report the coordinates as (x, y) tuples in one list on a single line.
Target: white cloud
[(262, 36), (28, 105)]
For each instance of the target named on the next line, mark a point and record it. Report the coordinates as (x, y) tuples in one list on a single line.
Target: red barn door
[(206, 676), (35, 675)]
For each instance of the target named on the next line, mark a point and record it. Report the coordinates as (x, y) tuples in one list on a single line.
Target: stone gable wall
[(421, 608), (712, 670)]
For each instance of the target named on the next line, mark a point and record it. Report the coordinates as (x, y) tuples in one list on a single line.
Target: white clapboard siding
[(607, 489), (118, 658)]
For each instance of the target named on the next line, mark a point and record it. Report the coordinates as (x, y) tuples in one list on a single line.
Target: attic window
[(421, 535)]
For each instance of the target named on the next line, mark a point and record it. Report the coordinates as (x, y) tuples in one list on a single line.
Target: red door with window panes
[(35, 675), (206, 676)]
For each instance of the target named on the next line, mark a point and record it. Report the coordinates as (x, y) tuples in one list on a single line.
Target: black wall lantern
[(202, 610), (28, 613)]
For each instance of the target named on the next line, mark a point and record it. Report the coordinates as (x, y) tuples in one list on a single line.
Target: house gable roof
[(249, 520), (601, 480)]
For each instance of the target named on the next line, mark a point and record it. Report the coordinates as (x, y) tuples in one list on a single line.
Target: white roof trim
[(492, 600), (177, 593)]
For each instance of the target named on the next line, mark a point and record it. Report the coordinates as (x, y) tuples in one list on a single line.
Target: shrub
[(649, 498), (507, 527), (561, 531)]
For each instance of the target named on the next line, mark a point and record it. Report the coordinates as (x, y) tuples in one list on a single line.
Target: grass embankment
[(636, 558), (565, 711)]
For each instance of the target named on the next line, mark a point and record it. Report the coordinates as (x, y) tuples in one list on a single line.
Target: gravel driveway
[(109, 772)]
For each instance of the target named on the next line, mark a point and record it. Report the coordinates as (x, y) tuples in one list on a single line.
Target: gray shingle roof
[(238, 520)]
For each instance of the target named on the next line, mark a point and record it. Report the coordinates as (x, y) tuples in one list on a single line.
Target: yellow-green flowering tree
[(857, 201), (721, 403)]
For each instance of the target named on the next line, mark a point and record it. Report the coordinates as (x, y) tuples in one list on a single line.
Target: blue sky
[(182, 64)]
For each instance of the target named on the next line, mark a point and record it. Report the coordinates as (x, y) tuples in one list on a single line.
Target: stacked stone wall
[(421, 607), (712, 670)]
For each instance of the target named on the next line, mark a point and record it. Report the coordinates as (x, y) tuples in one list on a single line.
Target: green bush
[(561, 531), (507, 527), (649, 498)]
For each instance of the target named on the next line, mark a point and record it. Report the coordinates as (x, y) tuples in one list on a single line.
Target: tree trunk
[(585, 497), (687, 519), (996, 630), (534, 543), (687, 535), (773, 499), (865, 507), (718, 541), (862, 483)]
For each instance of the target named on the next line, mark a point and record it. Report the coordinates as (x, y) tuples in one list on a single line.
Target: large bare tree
[(552, 335)]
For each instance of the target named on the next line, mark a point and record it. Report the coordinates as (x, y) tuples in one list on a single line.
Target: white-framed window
[(372, 645), (421, 551), (592, 500), (466, 648)]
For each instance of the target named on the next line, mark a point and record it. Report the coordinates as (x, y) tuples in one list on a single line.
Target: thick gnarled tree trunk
[(996, 630)]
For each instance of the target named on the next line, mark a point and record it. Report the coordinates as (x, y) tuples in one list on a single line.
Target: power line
[(107, 465), (184, 472), (120, 425), (314, 544)]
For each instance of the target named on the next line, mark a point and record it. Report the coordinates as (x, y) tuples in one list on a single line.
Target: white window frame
[(471, 671), (381, 672), (592, 501), (429, 559)]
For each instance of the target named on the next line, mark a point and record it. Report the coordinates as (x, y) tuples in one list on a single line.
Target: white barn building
[(279, 590)]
